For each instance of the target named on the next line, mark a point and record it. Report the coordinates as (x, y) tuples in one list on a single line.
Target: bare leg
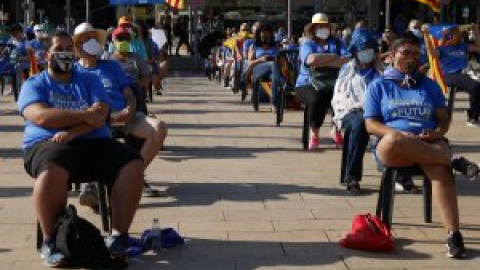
[(399, 150), (126, 193), (50, 194), (154, 132)]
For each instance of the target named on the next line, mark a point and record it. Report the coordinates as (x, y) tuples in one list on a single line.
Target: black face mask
[(62, 62)]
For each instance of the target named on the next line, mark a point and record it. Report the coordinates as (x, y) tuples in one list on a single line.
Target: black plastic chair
[(104, 199), (287, 65)]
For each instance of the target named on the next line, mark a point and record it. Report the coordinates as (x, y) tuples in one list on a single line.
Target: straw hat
[(84, 28), (124, 20), (319, 18)]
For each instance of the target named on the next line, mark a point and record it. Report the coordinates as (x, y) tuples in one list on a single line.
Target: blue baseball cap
[(362, 38)]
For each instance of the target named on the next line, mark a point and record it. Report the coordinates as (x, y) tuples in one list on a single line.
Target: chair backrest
[(288, 66)]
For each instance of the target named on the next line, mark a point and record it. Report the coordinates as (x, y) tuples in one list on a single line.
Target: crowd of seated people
[(376, 86)]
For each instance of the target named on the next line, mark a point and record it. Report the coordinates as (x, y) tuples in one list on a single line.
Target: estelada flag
[(33, 63), (177, 4), (434, 4), (433, 39)]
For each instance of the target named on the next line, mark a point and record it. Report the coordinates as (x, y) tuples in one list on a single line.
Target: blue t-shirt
[(83, 91), (405, 109), (260, 51), (114, 80), (308, 47), (453, 58), (246, 45)]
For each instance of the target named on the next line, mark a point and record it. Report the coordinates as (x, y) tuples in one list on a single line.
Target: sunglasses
[(121, 38)]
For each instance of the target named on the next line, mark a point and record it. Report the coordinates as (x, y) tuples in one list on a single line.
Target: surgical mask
[(322, 33), (417, 33), (92, 47), (62, 62), (122, 46), (366, 56)]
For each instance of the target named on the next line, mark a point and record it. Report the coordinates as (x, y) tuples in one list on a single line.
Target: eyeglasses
[(408, 53)]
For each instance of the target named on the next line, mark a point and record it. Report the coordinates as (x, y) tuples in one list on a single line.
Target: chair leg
[(305, 130), (103, 205), (281, 105), (344, 157), (388, 191), (15, 87), (39, 237), (427, 200)]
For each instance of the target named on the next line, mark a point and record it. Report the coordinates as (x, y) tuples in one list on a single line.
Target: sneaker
[(117, 245), (455, 246), (406, 185), (466, 167), (473, 123), (337, 137), (313, 143), (51, 256), (88, 196), (149, 191), (353, 187)]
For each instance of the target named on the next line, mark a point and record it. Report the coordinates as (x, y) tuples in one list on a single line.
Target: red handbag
[(368, 233)]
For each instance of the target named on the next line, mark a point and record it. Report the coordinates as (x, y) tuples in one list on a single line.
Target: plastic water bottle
[(156, 233)]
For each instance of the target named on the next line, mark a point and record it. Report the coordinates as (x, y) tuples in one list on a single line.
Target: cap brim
[(101, 35)]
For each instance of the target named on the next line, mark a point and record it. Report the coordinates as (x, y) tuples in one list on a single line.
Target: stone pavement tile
[(337, 213), (179, 215), (408, 258), (284, 205), (227, 226), (183, 262), (239, 205), (293, 237), (20, 254), (268, 215), (298, 262), (330, 203), (310, 225)]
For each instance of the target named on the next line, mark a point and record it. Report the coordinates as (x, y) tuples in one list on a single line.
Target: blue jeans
[(267, 70), (354, 126)]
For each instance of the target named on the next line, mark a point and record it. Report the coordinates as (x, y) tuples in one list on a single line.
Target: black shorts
[(85, 160)]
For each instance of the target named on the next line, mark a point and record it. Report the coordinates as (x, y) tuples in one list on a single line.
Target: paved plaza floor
[(245, 194)]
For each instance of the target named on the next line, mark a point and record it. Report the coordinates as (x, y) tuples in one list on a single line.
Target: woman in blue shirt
[(320, 51), (261, 59), (453, 54), (407, 111), (348, 101)]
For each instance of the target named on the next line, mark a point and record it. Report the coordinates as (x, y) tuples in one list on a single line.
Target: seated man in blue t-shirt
[(407, 111), (66, 140), (125, 117)]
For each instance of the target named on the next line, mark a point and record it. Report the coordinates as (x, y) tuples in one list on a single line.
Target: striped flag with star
[(177, 4)]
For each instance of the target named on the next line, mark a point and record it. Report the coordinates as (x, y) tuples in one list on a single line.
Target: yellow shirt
[(230, 43)]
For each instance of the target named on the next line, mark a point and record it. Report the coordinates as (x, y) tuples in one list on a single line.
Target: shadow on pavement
[(12, 128), (211, 193), (11, 192), (11, 153), (250, 255)]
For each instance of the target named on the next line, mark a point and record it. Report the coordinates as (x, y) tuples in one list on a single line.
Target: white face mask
[(92, 47), (417, 33), (322, 33), (366, 56)]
